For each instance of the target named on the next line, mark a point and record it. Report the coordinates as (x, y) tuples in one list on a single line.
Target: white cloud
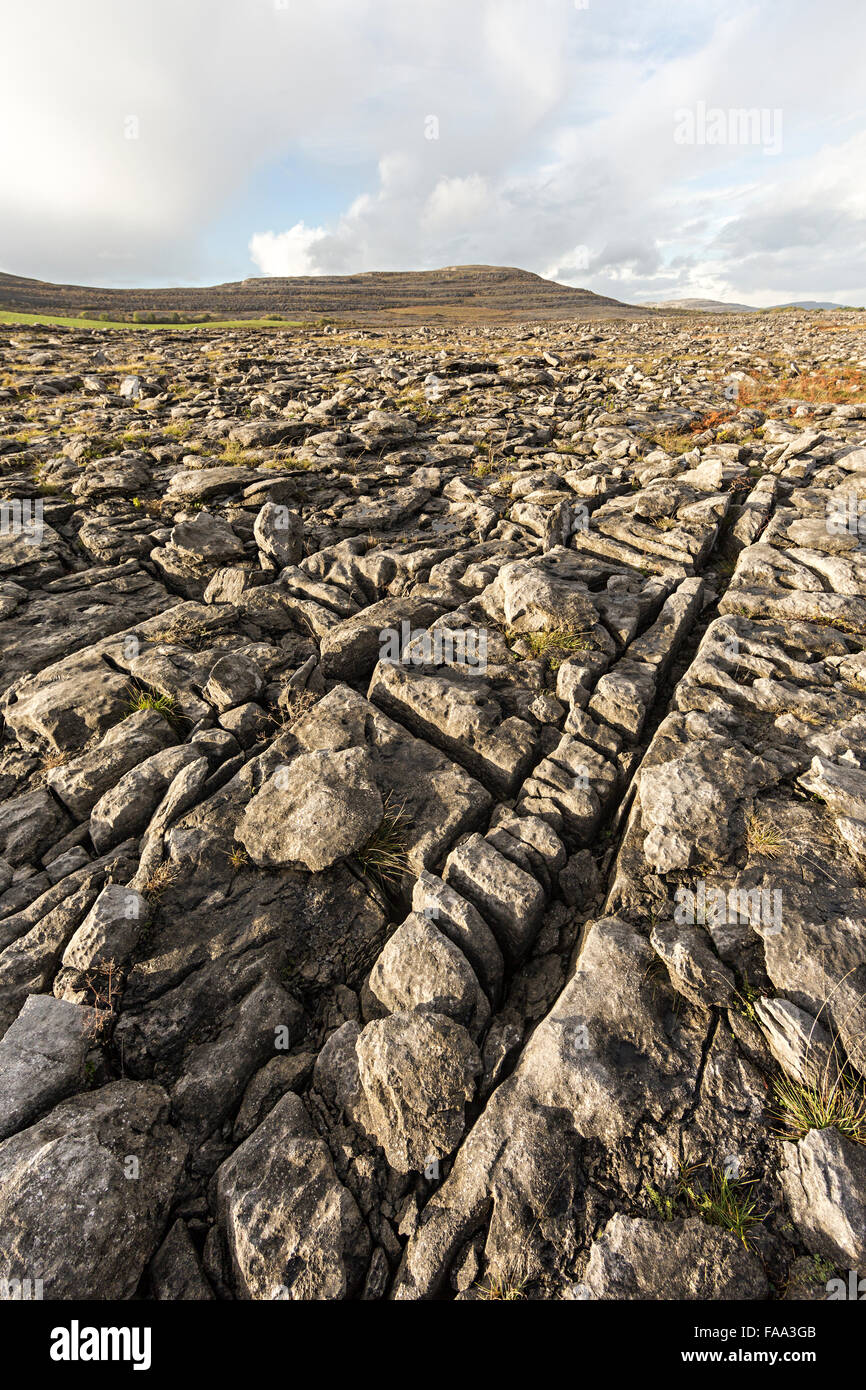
[(555, 146), (286, 253), (460, 202)]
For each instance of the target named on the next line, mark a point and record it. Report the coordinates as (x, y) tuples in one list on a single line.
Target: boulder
[(824, 1180), (84, 1192), (635, 1259), (42, 1058), (293, 1231), (417, 1073), (314, 811), (420, 968)]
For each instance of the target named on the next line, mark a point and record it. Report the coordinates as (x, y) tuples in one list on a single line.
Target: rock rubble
[(433, 810)]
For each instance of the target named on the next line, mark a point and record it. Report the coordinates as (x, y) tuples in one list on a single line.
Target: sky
[(648, 151)]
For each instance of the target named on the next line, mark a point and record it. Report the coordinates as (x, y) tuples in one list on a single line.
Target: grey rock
[(126, 809), (29, 824), (507, 897), (216, 1073), (109, 931), (681, 1259), (80, 782), (233, 681), (465, 926), (66, 704), (206, 538), (420, 968), (351, 648), (131, 387), (293, 1231), (270, 1084), (111, 1163), (800, 1044), (42, 1058), (417, 1073), (694, 967), (316, 810), (824, 1182), (279, 534), (175, 1271)]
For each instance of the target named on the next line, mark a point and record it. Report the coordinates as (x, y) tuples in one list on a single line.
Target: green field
[(56, 320)]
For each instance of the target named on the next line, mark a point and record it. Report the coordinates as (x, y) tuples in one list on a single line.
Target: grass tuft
[(829, 1104), (554, 646), (726, 1202), (763, 837), (166, 705), (384, 858), (499, 1289), (718, 1199), (161, 879)]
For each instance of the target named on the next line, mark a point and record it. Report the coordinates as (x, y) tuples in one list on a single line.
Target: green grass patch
[(718, 1199), (13, 317), (166, 705), (830, 1104)]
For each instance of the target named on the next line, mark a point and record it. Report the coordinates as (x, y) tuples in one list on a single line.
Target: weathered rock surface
[(315, 811), (417, 1073), (432, 808), (635, 1259), (824, 1181), (293, 1231), (111, 1163)]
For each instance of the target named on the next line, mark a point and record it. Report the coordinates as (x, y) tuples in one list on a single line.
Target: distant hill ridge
[(459, 294), (721, 306)]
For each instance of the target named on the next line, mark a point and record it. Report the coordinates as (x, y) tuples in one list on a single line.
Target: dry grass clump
[(384, 858), (829, 386), (763, 837), (161, 879), (554, 645)]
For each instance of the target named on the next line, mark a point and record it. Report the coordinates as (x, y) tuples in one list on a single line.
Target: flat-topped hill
[(455, 294)]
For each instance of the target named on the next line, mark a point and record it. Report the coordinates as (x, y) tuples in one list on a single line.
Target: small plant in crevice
[(830, 1103), (52, 760), (141, 699), (665, 1205), (498, 1289), (724, 1201), (746, 998), (716, 1197), (384, 858), (763, 837), (103, 984), (161, 879), (553, 645), (293, 705)]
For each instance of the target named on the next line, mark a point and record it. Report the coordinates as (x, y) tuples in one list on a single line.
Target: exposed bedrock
[(433, 812)]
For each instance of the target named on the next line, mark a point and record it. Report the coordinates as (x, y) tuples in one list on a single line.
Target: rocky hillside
[(433, 812), (704, 306), (459, 294)]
